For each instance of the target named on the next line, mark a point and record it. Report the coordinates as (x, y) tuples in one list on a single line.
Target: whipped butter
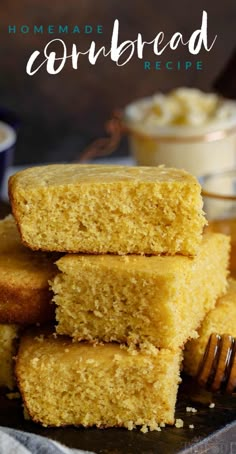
[(185, 128)]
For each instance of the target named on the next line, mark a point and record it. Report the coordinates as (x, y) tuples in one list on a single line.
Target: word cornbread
[(25, 297), (64, 383), (134, 299), (220, 320), (108, 209)]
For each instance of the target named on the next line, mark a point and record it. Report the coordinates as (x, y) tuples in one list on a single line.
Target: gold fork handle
[(217, 371)]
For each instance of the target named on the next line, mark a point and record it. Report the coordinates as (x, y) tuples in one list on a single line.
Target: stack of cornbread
[(137, 280), (25, 298)]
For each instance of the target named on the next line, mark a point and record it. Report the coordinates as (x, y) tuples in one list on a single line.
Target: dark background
[(61, 114)]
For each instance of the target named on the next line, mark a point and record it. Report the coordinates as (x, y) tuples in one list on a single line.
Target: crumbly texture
[(220, 320), (108, 209), (135, 299), (8, 343), (25, 297), (66, 383)]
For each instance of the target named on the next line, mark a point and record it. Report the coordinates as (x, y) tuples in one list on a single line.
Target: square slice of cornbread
[(134, 299), (8, 342), (220, 320), (66, 383), (108, 209), (25, 297)]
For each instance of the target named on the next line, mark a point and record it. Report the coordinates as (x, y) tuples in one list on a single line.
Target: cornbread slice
[(24, 290), (64, 383), (8, 340), (134, 299), (101, 209), (220, 320)]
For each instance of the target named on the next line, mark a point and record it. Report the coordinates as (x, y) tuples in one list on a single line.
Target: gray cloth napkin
[(17, 442)]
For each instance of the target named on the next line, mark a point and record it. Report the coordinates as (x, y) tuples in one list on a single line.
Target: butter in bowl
[(185, 128)]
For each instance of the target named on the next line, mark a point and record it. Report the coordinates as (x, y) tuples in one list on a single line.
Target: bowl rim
[(217, 195)]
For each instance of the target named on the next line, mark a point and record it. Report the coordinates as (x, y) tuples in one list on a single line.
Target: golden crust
[(135, 299), (107, 385), (108, 209), (13, 203), (8, 346), (26, 306), (25, 297)]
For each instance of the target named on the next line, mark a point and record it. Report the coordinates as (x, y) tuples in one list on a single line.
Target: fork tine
[(208, 360), (231, 383), (223, 362), (217, 370)]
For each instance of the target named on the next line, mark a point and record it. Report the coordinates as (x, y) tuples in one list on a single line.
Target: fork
[(217, 370)]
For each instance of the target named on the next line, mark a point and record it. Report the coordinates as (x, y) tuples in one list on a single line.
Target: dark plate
[(214, 429)]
